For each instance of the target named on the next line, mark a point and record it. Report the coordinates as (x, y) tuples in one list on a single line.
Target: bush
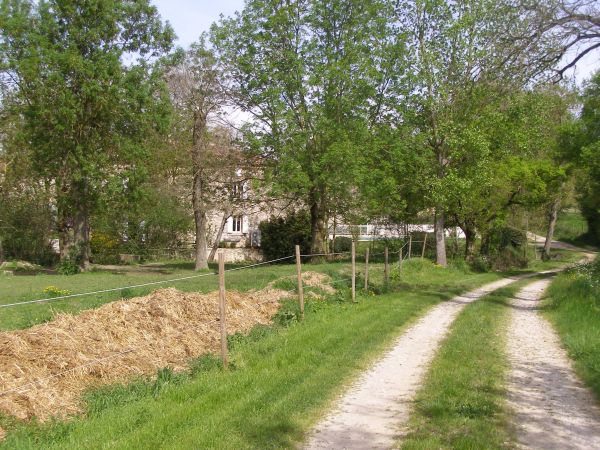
[(342, 244), (104, 249), (72, 264), (503, 237), (280, 236), (503, 248), (68, 267), (508, 258), (479, 264)]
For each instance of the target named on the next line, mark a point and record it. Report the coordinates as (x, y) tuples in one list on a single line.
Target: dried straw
[(45, 369)]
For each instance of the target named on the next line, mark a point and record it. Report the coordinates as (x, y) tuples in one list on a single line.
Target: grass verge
[(572, 304), (461, 404), (284, 377)]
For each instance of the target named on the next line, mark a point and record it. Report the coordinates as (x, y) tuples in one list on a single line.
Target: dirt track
[(553, 408), (372, 411)]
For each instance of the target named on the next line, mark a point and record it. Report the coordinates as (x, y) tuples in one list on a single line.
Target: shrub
[(104, 248), (68, 267), (479, 264), (342, 244), (502, 237), (508, 258), (280, 236), (503, 248)]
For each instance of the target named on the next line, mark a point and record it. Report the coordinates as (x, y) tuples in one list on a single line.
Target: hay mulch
[(45, 369), (318, 280)]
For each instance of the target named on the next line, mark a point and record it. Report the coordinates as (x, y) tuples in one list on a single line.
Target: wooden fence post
[(424, 246), (386, 266), (409, 246), (223, 310), (353, 271), (367, 270), (300, 288)]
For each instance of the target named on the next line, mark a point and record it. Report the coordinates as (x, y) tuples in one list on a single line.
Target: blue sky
[(190, 18)]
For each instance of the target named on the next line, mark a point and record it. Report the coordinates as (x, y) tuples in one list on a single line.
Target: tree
[(219, 168), (313, 76), (553, 34), (86, 111), (450, 65), (586, 155)]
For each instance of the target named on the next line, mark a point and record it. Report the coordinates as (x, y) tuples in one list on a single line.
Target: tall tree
[(313, 76), (587, 156), (553, 34), (458, 67), (218, 166), (87, 93)]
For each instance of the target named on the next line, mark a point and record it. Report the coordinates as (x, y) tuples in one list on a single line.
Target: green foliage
[(314, 77), (25, 225), (88, 97), (342, 244), (54, 291), (104, 248), (68, 267), (586, 153), (279, 236), (504, 236)]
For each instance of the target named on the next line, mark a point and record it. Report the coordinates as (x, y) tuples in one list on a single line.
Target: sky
[(189, 18)]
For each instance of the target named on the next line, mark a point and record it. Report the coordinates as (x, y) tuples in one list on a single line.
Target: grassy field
[(573, 306), (283, 378), (23, 288), (461, 404), (570, 227)]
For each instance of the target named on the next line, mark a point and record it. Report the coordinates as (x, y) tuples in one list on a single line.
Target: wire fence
[(348, 260)]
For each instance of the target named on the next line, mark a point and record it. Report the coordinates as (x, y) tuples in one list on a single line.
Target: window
[(236, 224), (238, 190)]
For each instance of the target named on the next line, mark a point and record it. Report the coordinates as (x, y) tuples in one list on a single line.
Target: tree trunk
[(470, 236), (81, 237), (332, 243), (200, 221), (73, 223), (215, 246), (318, 223), (440, 238), (1, 251), (318, 229), (552, 216)]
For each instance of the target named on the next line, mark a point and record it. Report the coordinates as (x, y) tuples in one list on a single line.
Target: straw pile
[(318, 280), (132, 337)]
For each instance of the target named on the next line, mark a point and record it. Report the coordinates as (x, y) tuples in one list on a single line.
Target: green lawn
[(461, 404), (573, 306), (571, 227)]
